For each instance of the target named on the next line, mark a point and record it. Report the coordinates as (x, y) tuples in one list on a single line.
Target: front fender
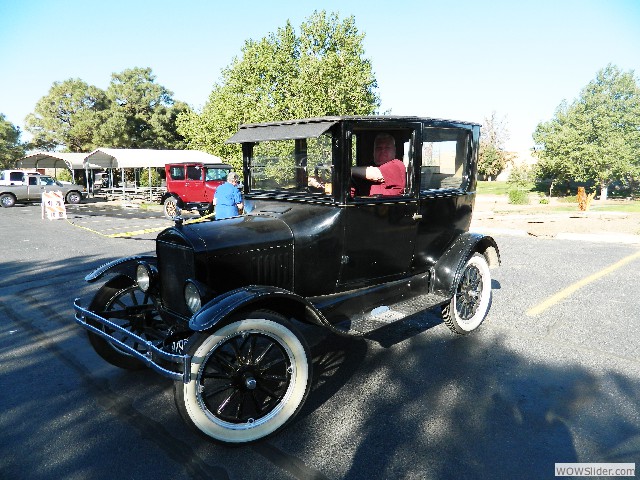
[(216, 311), (449, 267), (125, 266)]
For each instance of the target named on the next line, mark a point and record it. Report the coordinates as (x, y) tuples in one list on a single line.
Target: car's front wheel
[(122, 302), (472, 298), (171, 208), (248, 379)]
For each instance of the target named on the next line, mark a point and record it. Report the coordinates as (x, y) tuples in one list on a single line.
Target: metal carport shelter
[(145, 158), (55, 160), (72, 161), (122, 158)]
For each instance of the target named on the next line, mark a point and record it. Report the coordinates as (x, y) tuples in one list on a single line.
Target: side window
[(445, 153), (301, 165), (319, 165), (16, 176), (177, 173), (33, 180), (390, 152), (194, 172), (43, 180)]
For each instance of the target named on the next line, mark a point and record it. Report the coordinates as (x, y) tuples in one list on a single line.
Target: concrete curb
[(621, 238), (606, 238)]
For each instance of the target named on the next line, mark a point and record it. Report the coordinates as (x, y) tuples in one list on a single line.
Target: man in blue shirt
[(228, 198)]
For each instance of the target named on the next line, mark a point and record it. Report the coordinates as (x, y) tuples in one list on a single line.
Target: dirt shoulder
[(494, 212)]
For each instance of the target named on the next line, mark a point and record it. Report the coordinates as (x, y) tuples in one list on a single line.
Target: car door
[(446, 190), (35, 189), (176, 180), (194, 184), (380, 231)]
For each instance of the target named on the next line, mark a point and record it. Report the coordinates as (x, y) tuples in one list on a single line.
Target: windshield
[(44, 180), (303, 166), (217, 174)]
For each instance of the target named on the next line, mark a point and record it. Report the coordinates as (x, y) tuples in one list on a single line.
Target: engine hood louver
[(239, 234)]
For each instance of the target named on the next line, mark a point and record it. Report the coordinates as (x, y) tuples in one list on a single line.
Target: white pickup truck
[(34, 186), (14, 177)]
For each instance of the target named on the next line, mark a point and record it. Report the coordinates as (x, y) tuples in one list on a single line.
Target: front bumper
[(154, 357)]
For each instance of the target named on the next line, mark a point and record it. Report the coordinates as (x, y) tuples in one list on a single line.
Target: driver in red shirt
[(388, 176)]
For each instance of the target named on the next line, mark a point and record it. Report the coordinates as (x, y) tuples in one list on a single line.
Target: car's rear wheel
[(171, 208), (74, 197), (206, 211), (7, 200), (248, 379), (123, 303), (472, 298)]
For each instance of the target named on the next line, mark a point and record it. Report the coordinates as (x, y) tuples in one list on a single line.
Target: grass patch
[(518, 197), (499, 188), (628, 207), (492, 188), (567, 207), (150, 206), (536, 209)]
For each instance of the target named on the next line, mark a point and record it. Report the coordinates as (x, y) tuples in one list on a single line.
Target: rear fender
[(124, 266), (254, 297), (449, 267)]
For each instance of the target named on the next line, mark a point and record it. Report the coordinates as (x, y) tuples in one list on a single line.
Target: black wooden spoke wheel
[(123, 303), (472, 297), (249, 378)]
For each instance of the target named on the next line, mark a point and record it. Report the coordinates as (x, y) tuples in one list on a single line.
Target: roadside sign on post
[(53, 205)]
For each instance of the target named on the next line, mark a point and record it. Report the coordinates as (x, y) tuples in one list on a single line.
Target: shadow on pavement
[(416, 403)]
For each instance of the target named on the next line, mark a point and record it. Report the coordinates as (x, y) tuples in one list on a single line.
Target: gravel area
[(494, 212)]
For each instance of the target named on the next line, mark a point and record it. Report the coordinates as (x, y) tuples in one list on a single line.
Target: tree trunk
[(604, 190)]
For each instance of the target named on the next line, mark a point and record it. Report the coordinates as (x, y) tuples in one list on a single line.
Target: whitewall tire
[(472, 297), (248, 379)]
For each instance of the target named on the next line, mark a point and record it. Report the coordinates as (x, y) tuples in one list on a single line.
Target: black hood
[(230, 253), (231, 235)]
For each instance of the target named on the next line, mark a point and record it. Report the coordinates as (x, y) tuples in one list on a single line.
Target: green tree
[(597, 137), (321, 71), (67, 117), (11, 149), (492, 157), (142, 113), (164, 126), (134, 112), (143, 177)]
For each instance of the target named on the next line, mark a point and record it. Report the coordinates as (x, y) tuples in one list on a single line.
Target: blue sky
[(460, 60)]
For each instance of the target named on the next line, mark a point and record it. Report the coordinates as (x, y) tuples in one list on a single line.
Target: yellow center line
[(137, 232), (554, 299)]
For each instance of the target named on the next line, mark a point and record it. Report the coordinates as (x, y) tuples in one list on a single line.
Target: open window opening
[(392, 181), (445, 159)]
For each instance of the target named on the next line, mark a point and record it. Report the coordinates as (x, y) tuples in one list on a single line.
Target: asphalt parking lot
[(118, 220), (553, 375)]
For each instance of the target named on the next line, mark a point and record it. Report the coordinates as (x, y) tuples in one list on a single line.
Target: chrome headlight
[(192, 296), (145, 276)]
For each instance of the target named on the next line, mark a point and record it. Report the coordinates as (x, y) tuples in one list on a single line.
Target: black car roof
[(218, 165), (314, 127)]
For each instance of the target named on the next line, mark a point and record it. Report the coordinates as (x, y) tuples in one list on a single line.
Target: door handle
[(417, 216)]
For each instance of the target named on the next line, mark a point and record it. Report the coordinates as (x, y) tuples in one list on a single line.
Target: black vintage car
[(216, 308)]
